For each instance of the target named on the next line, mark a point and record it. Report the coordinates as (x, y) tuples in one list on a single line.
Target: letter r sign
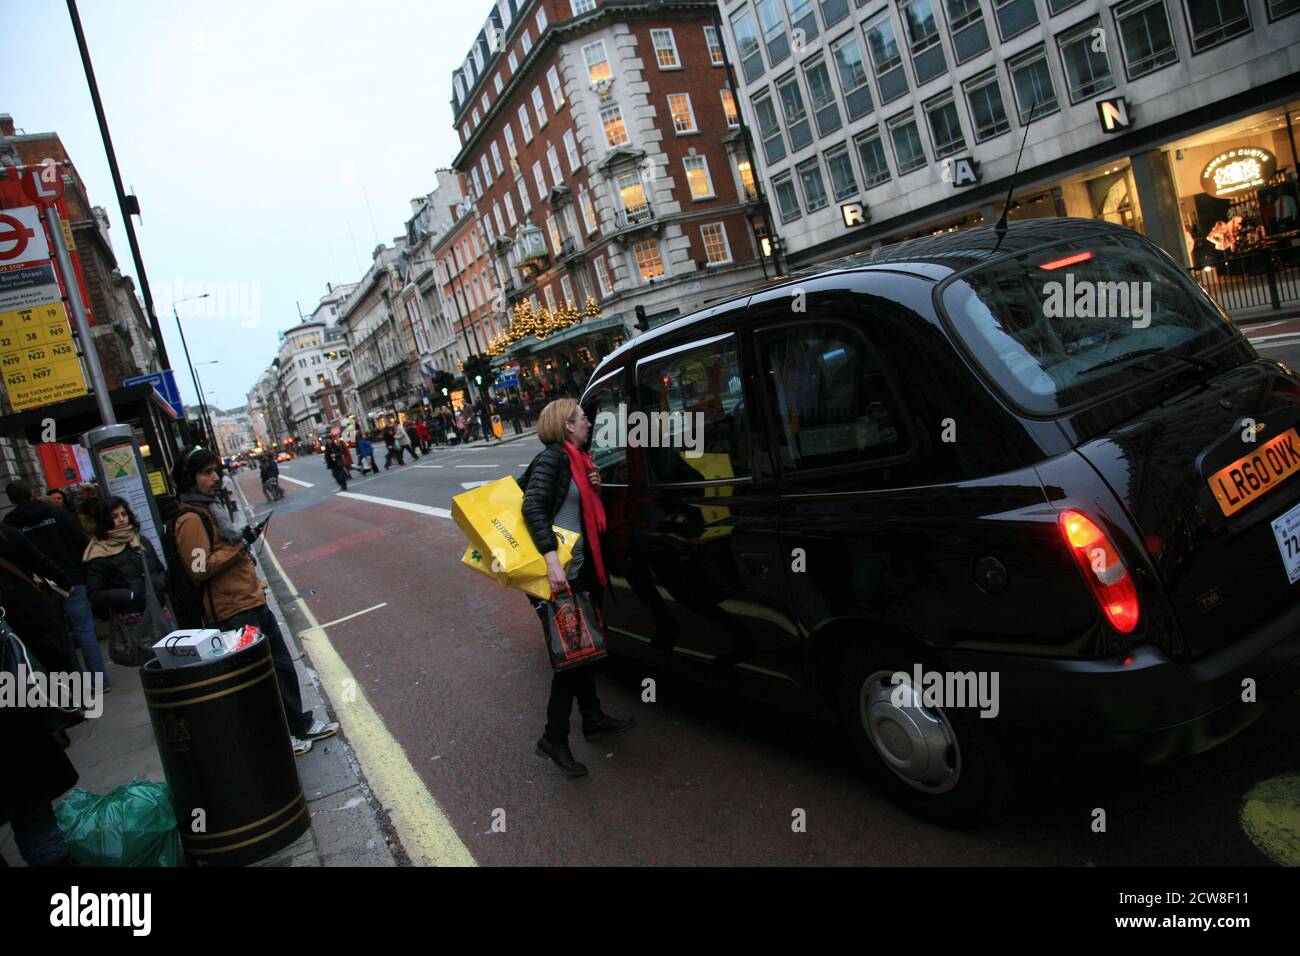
[(854, 213)]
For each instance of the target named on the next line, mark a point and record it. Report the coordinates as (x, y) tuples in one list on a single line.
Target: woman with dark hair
[(117, 559), (562, 487)]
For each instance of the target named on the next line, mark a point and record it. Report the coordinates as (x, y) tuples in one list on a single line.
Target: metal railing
[(635, 215), (1254, 282)]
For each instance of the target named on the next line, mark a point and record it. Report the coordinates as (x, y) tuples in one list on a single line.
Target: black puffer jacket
[(546, 482), (116, 582)]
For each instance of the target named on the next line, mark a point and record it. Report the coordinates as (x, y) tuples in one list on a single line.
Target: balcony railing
[(635, 215)]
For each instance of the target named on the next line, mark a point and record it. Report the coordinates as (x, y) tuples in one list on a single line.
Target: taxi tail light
[(1104, 569)]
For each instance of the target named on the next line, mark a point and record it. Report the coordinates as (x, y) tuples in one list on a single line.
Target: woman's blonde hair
[(550, 424)]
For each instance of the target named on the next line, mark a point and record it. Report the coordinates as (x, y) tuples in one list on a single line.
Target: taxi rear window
[(1067, 325)]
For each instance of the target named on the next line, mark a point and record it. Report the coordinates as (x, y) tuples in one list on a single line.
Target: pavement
[(348, 827)]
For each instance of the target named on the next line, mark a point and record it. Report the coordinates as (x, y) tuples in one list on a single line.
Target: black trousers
[(577, 684), (300, 721)]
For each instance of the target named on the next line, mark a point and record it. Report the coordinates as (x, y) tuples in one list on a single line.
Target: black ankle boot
[(562, 755), (597, 722)]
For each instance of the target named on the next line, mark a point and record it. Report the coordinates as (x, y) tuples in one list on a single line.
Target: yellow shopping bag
[(491, 516)]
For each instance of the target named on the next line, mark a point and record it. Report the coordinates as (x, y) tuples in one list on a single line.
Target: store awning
[(530, 345)]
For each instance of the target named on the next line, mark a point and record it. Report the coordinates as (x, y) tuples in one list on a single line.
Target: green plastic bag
[(132, 826)]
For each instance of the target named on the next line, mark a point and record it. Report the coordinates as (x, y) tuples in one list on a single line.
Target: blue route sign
[(164, 384)]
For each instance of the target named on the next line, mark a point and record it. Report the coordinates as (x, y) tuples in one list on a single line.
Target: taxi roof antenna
[(1000, 228)]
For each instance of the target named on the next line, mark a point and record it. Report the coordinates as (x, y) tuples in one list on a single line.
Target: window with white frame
[(501, 223), (717, 251), (513, 61), (665, 45), (566, 290), (715, 48), (474, 117), (631, 193), (553, 230), (498, 83), (539, 105), (729, 109), (679, 105), (464, 133), (539, 177), (496, 159), (593, 55), (611, 119), (697, 177), (509, 133), (525, 124), (487, 170), (589, 218), (526, 41), (580, 7), (484, 102), (524, 199), (648, 260), (604, 281), (549, 293), (571, 150), (541, 20), (571, 225), (748, 187), (473, 178), (553, 160), (487, 228), (510, 210), (557, 91)]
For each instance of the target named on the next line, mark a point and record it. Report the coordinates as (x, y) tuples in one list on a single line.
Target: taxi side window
[(607, 450), (830, 400), (693, 404)]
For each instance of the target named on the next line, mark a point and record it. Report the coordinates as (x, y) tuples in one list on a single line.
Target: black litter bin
[(221, 731)]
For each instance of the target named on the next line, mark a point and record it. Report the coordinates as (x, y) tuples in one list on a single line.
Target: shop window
[(773, 27), (908, 151), (702, 386), (769, 129), (802, 19), (970, 36), (871, 154), (796, 114), (1087, 68), (1014, 17), (751, 58), (825, 110), (945, 127), (923, 40), (830, 396), (984, 97), (717, 251), (648, 260), (665, 49), (853, 76), (1032, 81), (729, 110), (886, 60), (840, 165), (814, 186), (787, 201), (1212, 22), (679, 107), (1145, 36)]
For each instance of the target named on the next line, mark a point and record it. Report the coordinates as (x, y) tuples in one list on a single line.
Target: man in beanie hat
[(224, 570)]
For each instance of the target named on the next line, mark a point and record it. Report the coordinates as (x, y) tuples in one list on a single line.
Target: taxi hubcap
[(916, 742)]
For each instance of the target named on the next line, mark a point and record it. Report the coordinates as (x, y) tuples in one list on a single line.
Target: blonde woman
[(562, 487)]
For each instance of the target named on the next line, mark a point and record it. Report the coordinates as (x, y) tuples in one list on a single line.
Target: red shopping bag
[(574, 631)]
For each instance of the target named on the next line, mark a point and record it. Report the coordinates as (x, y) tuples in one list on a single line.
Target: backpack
[(188, 600)]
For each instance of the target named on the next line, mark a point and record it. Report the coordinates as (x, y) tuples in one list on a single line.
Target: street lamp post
[(207, 419), (203, 406)]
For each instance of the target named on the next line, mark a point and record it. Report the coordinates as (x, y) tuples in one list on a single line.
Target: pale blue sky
[(253, 133)]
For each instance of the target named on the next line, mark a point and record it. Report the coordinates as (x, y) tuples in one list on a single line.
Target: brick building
[(599, 143), (469, 287)]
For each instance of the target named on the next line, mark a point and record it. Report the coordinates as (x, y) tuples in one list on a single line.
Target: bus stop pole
[(89, 352)]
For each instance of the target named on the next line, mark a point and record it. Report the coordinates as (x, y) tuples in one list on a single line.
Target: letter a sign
[(1114, 115), (964, 172)]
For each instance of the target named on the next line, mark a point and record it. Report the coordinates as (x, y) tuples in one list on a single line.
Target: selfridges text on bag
[(499, 543)]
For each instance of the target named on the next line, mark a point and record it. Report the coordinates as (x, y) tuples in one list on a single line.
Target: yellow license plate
[(1254, 475)]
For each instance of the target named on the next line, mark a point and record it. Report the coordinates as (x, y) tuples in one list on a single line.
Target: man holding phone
[(217, 557)]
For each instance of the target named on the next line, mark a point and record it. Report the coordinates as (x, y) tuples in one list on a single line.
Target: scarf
[(107, 547), (593, 509), (229, 532)]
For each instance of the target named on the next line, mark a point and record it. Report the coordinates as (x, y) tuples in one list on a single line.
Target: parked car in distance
[(989, 504)]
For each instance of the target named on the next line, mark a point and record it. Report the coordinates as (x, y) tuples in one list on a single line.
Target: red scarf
[(593, 509)]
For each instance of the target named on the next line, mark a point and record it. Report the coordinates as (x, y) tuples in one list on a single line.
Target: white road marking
[(426, 466), (356, 614), (478, 466), (394, 503), (295, 481), (474, 484), (1273, 339)]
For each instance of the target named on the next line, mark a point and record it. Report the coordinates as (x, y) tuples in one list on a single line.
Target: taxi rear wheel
[(937, 762)]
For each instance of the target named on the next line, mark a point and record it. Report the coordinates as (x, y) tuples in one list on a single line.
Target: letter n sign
[(854, 214), (1114, 115)]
